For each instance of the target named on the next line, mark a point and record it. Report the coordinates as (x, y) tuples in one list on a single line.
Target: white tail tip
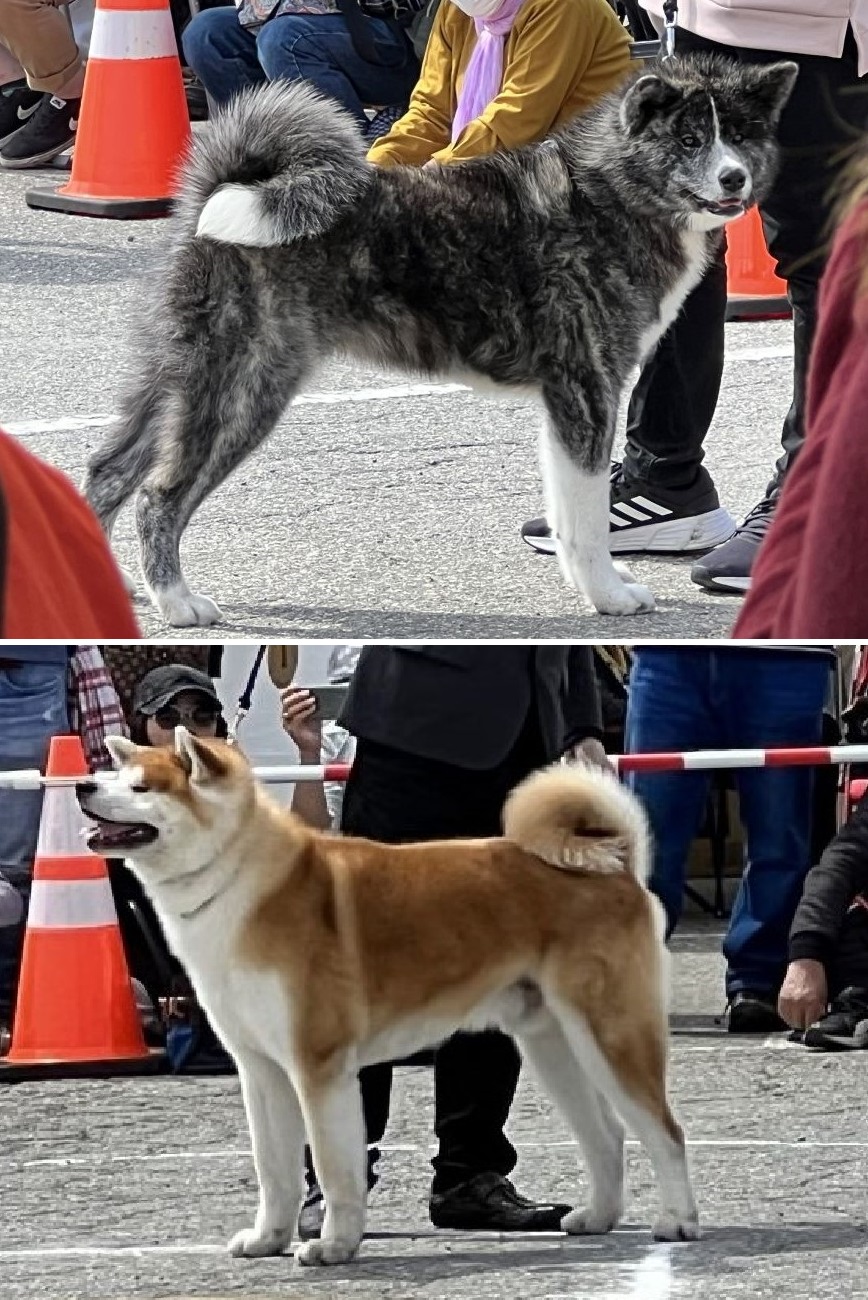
[(233, 215)]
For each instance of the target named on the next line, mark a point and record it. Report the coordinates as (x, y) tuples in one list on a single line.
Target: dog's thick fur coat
[(315, 955), (552, 270)]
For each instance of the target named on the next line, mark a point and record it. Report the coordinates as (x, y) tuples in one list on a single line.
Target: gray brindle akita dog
[(553, 269)]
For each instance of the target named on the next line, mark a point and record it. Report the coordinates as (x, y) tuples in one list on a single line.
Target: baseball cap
[(160, 686)]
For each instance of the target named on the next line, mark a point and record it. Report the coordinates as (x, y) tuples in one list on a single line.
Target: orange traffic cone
[(75, 1013), (753, 286), (134, 126)]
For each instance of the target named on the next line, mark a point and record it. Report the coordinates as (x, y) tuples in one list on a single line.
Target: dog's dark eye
[(691, 141), (139, 789)]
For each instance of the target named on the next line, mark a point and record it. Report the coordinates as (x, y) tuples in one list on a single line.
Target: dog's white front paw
[(669, 1226), (591, 1220), (326, 1252), (181, 607), (629, 598), (252, 1243)]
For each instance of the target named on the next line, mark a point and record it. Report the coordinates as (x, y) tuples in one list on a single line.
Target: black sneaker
[(18, 103), (654, 519), (50, 130), (728, 567), (845, 1026), (753, 1011)]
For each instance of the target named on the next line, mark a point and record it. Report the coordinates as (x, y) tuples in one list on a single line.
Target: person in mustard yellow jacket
[(502, 73)]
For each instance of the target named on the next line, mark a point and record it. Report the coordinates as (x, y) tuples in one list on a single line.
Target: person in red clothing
[(58, 579), (811, 575)]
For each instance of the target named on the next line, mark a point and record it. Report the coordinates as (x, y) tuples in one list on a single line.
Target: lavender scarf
[(484, 72)]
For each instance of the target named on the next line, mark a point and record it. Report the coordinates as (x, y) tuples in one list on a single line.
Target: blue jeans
[(316, 48), (32, 710), (723, 699)]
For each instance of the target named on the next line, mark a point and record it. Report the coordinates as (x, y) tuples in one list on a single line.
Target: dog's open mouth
[(723, 207), (119, 837)]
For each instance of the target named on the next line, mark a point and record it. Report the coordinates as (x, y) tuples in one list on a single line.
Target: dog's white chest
[(695, 244)]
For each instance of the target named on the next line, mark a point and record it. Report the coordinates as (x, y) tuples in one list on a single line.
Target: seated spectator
[(168, 696), (39, 113), (496, 77), (320, 742), (825, 989), (58, 578), (231, 49), (172, 696)]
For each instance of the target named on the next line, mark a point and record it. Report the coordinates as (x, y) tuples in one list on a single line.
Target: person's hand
[(297, 707), (591, 752), (804, 993)]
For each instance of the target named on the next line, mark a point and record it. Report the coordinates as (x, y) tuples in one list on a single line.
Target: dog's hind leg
[(589, 1116), (336, 1133), (574, 456), (277, 1138), (117, 469), (219, 419), (625, 1057)]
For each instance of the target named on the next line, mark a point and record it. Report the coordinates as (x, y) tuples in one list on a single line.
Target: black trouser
[(676, 394), (397, 798), (849, 966)]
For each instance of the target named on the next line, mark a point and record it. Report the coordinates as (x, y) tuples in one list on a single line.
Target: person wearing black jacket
[(825, 990), (443, 734)]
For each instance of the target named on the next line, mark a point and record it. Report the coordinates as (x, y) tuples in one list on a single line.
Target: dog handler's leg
[(575, 466), (277, 1137), (590, 1117), (336, 1133)]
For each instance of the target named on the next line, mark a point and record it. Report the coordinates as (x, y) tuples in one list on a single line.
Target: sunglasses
[(204, 715)]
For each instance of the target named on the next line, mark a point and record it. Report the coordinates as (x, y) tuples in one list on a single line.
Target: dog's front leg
[(336, 1133), (577, 506), (277, 1137)]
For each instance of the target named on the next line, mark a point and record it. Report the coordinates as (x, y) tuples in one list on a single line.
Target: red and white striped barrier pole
[(683, 761)]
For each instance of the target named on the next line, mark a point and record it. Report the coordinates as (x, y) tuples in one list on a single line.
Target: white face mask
[(478, 8)]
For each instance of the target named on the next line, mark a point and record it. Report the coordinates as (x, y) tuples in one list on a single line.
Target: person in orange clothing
[(501, 73), (58, 579), (811, 575)]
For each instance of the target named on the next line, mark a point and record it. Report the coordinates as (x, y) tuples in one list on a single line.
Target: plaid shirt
[(94, 707)]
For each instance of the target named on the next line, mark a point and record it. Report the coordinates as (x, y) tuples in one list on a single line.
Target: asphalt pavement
[(129, 1189), (381, 506)]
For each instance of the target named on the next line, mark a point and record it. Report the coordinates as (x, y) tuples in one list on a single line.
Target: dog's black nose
[(732, 180), (84, 788)]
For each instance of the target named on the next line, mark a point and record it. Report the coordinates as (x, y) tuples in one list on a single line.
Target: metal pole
[(683, 761)]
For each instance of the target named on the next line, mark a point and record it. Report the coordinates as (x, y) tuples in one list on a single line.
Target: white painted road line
[(398, 392), (242, 1153)]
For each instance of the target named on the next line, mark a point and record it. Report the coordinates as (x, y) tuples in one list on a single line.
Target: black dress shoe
[(490, 1201), (754, 1012)]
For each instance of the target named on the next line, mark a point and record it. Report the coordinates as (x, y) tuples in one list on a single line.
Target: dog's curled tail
[(279, 163), (579, 819)]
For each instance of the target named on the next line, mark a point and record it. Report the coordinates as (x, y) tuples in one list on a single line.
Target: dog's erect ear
[(201, 761), (771, 87), (121, 749), (648, 97)]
